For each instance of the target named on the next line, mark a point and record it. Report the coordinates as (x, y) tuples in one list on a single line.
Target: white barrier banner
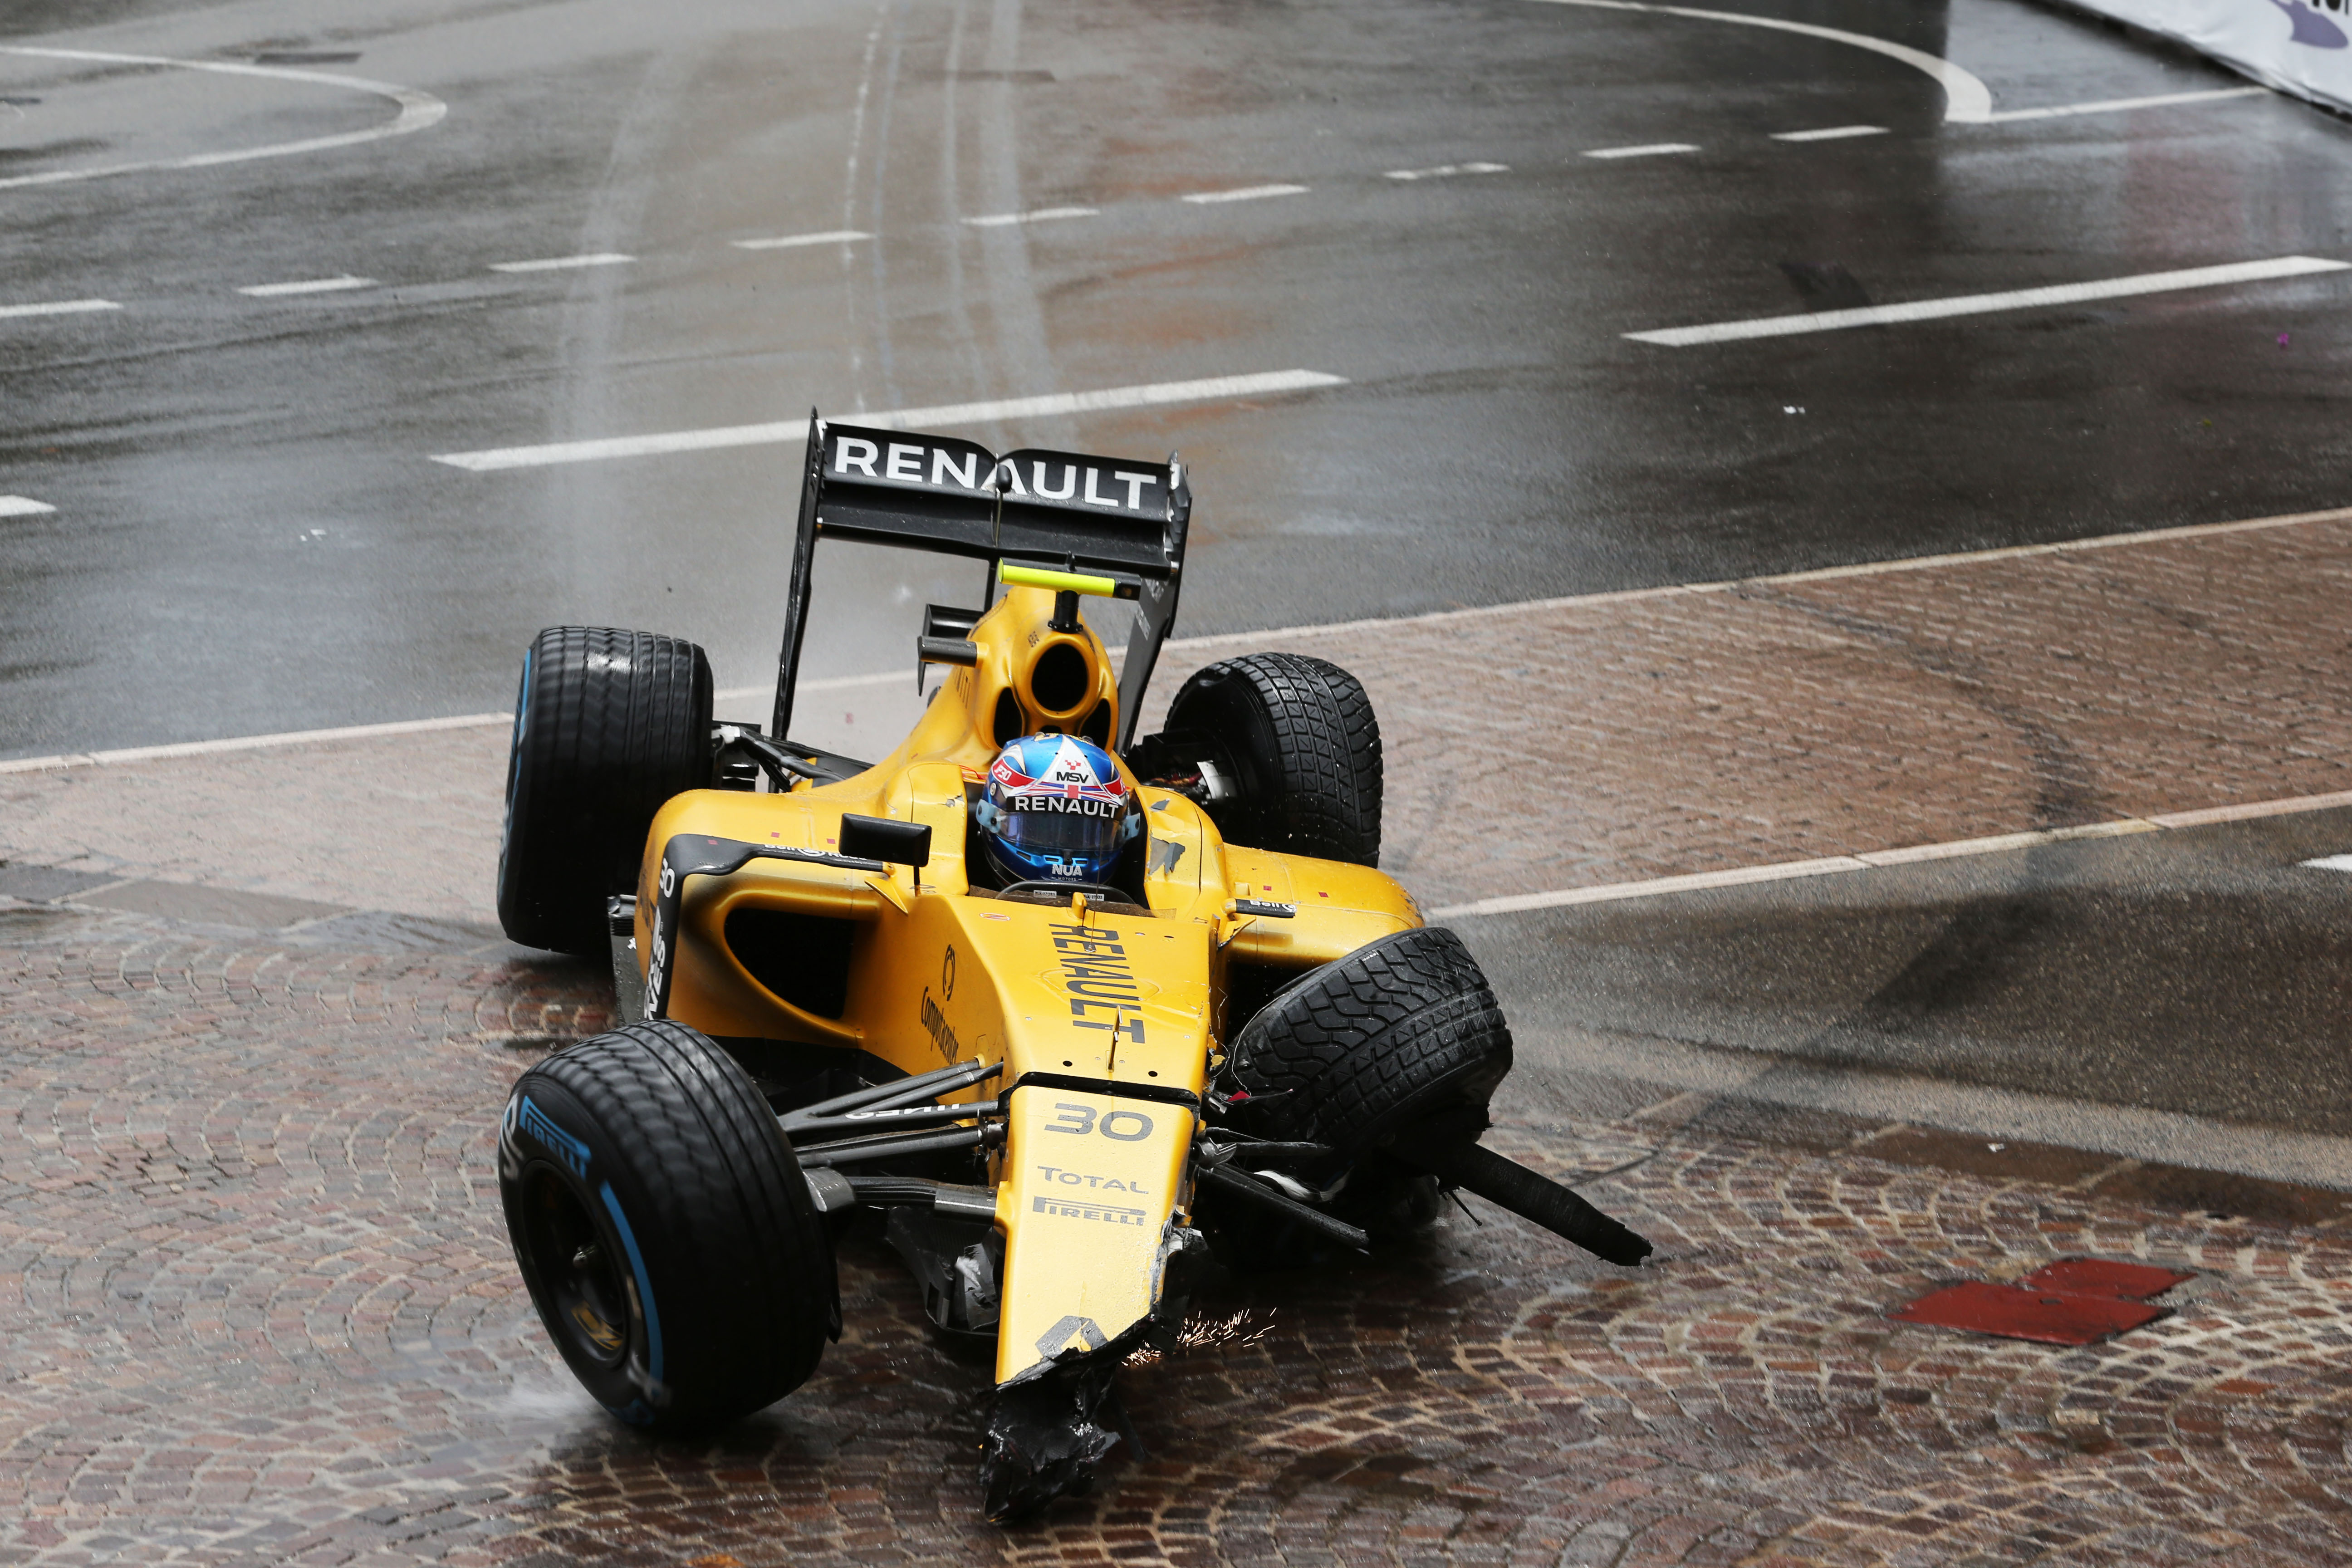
[(2302, 47)]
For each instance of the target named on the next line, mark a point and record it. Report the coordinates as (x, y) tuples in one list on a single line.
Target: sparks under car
[(1060, 1101)]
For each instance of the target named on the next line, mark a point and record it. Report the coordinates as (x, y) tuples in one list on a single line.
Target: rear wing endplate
[(1062, 510)]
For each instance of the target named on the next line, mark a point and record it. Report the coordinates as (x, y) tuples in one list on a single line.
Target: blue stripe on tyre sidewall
[(644, 1285), (514, 765)]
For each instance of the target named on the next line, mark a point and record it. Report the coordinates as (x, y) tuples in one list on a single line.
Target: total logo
[(1099, 1183)]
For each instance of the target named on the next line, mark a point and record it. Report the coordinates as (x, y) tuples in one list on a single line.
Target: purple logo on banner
[(2310, 27)]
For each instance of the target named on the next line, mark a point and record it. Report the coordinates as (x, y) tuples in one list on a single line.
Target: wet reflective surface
[(249, 536)]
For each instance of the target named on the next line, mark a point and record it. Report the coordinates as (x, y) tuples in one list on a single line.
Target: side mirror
[(885, 839)]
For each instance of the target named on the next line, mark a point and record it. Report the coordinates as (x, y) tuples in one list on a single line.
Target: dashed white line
[(794, 241), (2329, 863), (313, 286), (1830, 133), (1211, 390), (1980, 304), (1647, 150), (2117, 105), (1042, 215), (23, 506), (1246, 193), (59, 308), (563, 263), (1445, 171)]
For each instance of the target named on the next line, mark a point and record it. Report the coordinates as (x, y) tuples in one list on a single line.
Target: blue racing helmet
[(1056, 808)]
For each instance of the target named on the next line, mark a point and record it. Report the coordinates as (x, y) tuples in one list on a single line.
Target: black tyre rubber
[(608, 725), (665, 1229), (1300, 735), (1398, 1031)]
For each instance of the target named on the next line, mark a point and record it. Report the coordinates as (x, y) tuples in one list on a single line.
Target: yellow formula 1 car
[(1059, 1101)]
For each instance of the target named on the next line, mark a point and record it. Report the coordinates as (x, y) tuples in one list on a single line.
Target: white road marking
[(2329, 863), (794, 241), (1191, 645), (59, 308), (1042, 215), (1647, 150), (1789, 579), (1873, 860), (2115, 105), (563, 263), (831, 683), (1830, 133), (417, 111), (1245, 193), (367, 732), (1444, 169), (1967, 99), (315, 285), (23, 506), (1212, 390), (1981, 304)]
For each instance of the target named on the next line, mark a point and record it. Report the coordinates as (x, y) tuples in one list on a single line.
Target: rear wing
[(1061, 511)]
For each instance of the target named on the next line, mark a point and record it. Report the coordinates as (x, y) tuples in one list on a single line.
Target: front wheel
[(608, 725), (1400, 1031), (665, 1229)]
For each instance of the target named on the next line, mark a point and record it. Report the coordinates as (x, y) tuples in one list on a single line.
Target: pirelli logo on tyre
[(1079, 1208)]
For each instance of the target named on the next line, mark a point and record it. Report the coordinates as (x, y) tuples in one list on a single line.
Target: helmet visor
[(1070, 828)]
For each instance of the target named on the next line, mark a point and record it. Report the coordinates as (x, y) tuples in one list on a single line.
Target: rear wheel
[(665, 1229), (1294, 748), (608, 726)]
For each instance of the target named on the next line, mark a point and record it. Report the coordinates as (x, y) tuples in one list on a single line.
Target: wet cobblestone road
[(259, 1308)]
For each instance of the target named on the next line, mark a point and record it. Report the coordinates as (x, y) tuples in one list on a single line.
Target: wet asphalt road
[(248, 535)]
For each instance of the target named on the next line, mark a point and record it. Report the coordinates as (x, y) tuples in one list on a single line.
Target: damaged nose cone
[(1048, 1428)]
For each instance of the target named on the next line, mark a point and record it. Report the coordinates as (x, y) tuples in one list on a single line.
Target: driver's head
[(1056, 808)]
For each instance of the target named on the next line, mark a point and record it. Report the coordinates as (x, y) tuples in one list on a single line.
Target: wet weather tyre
[(1300, 735), (608, 726), (665, 1229), (1401, 1030)]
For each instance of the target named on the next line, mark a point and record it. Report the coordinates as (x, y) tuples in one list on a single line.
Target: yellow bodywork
[(1088, 1185)]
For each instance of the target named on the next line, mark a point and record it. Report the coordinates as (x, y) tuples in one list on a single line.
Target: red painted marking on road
[(2043, 1316), (2098, 1277)]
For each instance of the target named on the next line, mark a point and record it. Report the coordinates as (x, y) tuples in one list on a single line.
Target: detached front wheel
[(665, 1229)]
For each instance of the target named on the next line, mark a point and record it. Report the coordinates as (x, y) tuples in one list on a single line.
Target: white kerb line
[(368, 731), (1879, 859), (1647, 150), (562, 263), (23, 506), (59, 308), (2117, 105), (315, 285), (794, 241), (1042, 215), (1245, 193), (1189, 645), (1982, 304), (1210, 390), (1830, 133)]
